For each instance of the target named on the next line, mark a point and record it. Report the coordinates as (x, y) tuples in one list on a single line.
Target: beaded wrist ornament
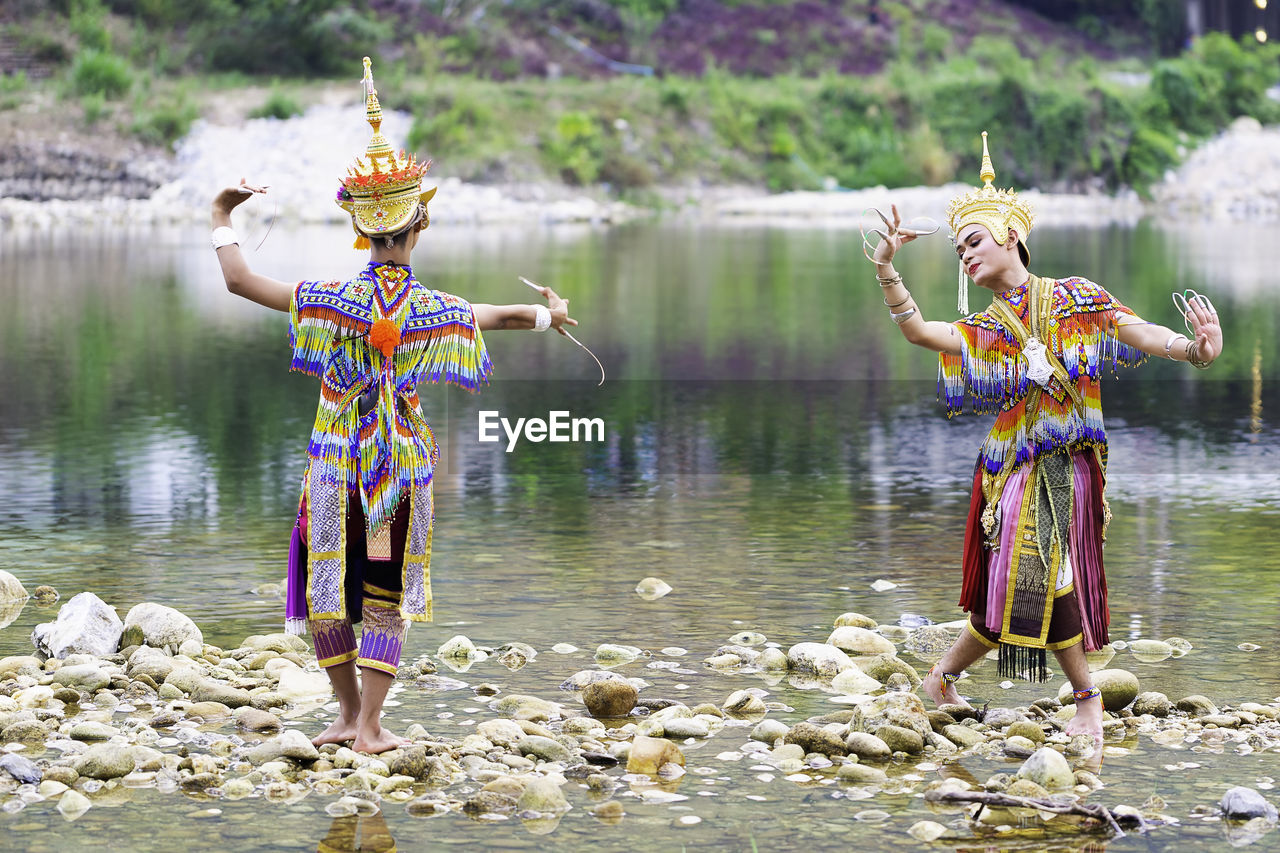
[(1087, 693)]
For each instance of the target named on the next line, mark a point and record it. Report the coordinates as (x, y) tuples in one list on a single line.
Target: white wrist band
[(223, 236), (542, 318), (1168, 345), (903, 316)]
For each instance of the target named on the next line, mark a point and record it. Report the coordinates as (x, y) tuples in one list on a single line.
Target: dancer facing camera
[(361, 547), (1033, 579)]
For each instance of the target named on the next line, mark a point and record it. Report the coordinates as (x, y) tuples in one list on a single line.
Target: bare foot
[(377, 739), (1088, 719), (339, 731), (933, 689)]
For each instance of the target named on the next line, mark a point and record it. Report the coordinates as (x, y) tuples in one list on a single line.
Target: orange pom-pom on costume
[(384, 336)]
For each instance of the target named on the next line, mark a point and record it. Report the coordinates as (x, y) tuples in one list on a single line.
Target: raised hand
[(559, 310), (229, 198), (1202, 320), (893, 236)]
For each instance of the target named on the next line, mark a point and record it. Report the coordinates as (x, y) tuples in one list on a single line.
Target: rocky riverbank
[(105, 707), (88, 181)]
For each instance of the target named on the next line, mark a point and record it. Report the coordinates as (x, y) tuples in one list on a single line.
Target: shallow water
[(771, 450)]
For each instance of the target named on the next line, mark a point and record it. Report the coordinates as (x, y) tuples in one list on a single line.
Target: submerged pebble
[(651, 589)]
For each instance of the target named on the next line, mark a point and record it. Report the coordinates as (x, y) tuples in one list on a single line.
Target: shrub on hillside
[(98, 73), (575, 147), (165, 121), (277, 105)]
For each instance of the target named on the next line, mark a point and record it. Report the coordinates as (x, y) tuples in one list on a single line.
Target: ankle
[(1087, 695)]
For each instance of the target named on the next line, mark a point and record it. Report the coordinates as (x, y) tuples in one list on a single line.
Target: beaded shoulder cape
[(388, 453), (990, 373)]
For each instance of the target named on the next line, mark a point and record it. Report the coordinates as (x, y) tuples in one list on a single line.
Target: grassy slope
[(1042, 89)]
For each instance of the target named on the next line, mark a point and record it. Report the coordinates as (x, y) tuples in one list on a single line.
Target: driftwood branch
[(987, 798)]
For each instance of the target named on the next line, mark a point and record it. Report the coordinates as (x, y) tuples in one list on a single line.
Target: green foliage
[(448, 127), (86, 24), (94, 106), (1246, 70), (1147, 156), (1185, 93), (94, 72), (285, 36), (1219, 80), (575, 147), (935, 42), (12, 89), (164, 120), (645, 10), (277, 105)]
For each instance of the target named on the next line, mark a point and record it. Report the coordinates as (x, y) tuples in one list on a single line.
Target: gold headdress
[(997, 210), (383, 189)]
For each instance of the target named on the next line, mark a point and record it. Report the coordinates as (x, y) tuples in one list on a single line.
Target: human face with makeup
[(995, 266)]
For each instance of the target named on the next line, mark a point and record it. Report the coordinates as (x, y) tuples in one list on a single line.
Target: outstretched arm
[(491, 317), (1162, 341), (931, 334), (241, 280)]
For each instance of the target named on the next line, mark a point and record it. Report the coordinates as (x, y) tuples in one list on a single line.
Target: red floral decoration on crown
[(384, 336)]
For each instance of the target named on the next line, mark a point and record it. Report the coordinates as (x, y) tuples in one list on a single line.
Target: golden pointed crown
[(382, 189), (998, 210)]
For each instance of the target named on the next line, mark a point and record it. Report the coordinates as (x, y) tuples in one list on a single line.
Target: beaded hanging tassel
[(962, 293)]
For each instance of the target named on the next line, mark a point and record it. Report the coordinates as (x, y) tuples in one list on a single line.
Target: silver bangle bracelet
[(541, 318), (903, 317), (223, 236)]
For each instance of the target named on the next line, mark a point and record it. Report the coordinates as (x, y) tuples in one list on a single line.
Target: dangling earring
[(962, 292)]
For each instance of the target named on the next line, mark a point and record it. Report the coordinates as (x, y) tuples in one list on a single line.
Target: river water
[(771, 448)]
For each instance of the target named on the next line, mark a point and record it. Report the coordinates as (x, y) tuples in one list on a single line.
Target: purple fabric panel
[(333, 641), (1086, 554), (998, 580), (378, 646), (295, 605)]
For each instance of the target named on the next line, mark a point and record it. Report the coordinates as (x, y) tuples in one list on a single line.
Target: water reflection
[(358, 834), (772, 448)]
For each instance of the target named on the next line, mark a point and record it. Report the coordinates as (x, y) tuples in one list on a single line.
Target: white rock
[(651, 589), (296, 684), (860, 641), (277, 667), (456, 647), (1047, 768), (294, 744), (85, 625), (820, 659), (160, 626), (854, 681), (883, 585), (33, 697), (613, 653), (72, 804), (927, 830), (11, 589)]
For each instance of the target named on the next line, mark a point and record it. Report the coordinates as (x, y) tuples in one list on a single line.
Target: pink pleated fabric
[(1084, 551), (998, 580)]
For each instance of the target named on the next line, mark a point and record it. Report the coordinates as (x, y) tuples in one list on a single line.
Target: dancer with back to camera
[(362, 543)]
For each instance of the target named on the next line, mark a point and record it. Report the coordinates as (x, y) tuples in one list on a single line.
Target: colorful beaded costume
[(370, 341), (1040, 475), (389, 453)]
